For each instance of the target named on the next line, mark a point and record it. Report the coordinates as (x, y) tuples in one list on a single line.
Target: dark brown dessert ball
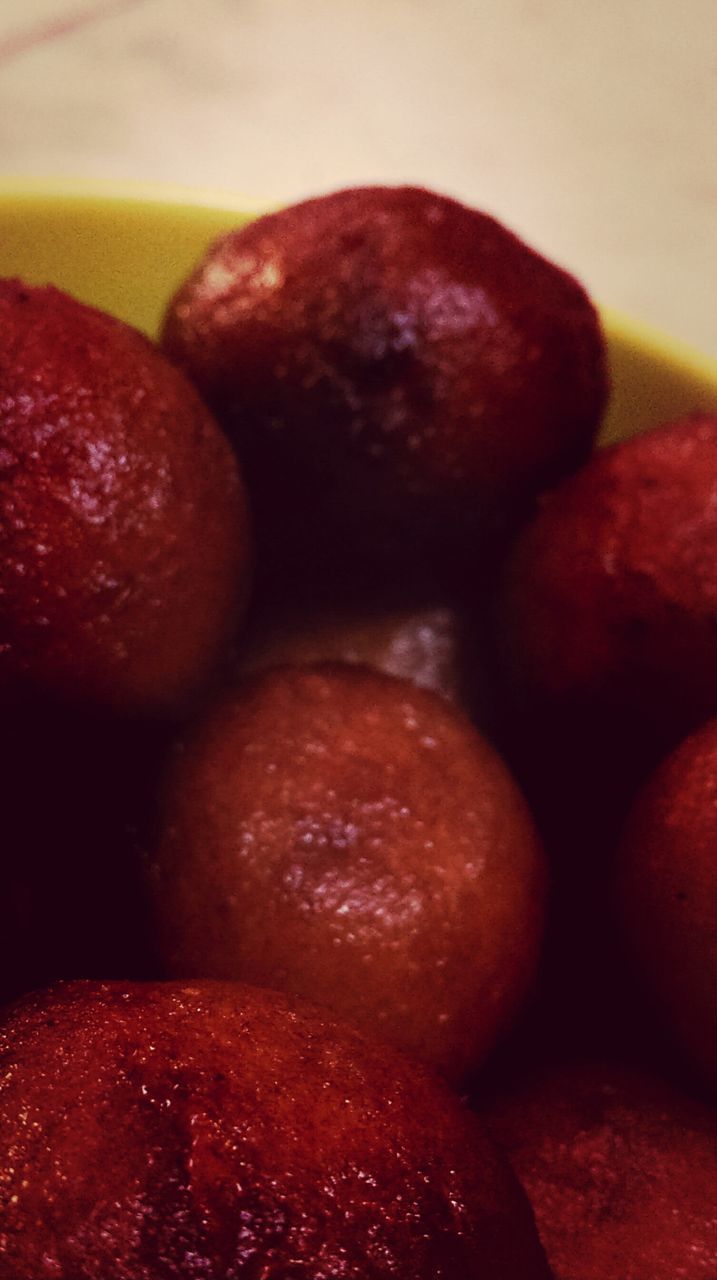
[(123, 523), (667, 894), (343, 835), (392, 366), (621, 1170), (218, 1132), (612, 590)]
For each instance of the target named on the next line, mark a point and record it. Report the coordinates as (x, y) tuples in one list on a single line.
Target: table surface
[(590, 129)]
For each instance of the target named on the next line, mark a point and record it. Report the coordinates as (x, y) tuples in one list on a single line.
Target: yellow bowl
[(126, 247)]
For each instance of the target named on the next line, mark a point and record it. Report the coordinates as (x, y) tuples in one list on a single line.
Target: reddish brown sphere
[(621, 1170), (348, 837), (215, 1131), (667, 894), (609, 653), (394, 366), (612, 592), (123, 523)]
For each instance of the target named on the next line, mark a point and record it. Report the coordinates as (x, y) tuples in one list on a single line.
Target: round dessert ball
[(621, 1171), (124, 542), (346, 836), (667, 894), (393, 365), (218, 1131), (611, 598)]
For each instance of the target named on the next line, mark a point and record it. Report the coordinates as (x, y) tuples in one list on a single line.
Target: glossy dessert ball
[(667, 895), (612, 591), (393, 367), (343, 835), (123, 523), (621, 1170), (216, 1131)]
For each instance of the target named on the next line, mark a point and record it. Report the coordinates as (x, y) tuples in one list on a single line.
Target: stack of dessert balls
[(359, 775)]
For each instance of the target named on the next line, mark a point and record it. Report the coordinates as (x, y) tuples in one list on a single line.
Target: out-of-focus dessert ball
[(667, 895), (620, 1169)]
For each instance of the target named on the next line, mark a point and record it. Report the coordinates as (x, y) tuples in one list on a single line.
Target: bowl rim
[(108, 193), (111, 191)]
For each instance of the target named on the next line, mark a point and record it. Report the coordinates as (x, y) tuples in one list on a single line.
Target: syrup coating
[(667, 894), (393, 367), (621, 1170), (124, 541), (218, 1132), (343, 835)]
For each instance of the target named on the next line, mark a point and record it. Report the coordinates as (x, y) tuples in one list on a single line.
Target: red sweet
[(123, 525), (667, 894), (219, 1132), (346, 836), (612, 591), (398, 371), (621, 1170), (609, 652)]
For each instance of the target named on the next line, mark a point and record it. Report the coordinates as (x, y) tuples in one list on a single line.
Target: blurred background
[(589, 129)]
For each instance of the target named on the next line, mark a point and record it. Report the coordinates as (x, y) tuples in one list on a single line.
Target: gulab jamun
[(607, 648), (400, 373), (667, 895), (218, 1131), (611, 596), (124, 538), (344, 835), (620, 1168)]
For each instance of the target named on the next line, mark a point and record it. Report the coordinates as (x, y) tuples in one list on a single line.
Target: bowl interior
[(126, 249)]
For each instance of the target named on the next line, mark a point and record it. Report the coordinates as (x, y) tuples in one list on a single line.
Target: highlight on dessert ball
[(124, 534), (346, 836), (400, 373), (216, 1130), (667, 895)]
